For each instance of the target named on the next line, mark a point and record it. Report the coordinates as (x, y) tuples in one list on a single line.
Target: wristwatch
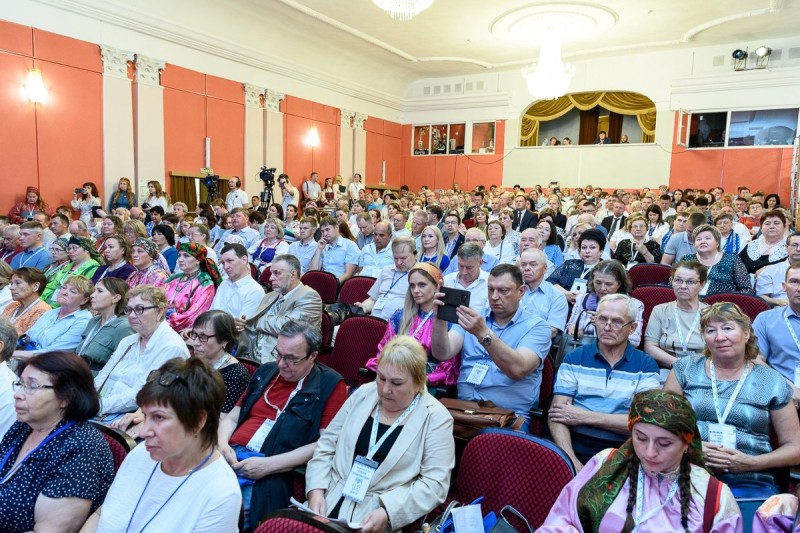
[(486, 340)]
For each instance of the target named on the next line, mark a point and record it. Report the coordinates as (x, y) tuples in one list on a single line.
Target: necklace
[(187, 280)]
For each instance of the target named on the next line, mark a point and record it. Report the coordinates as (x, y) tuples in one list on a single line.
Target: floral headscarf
[(199, 252), (661, 408), (87, 245), (148, 246)]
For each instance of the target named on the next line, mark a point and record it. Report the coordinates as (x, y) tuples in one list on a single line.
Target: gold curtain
[(625, 103)]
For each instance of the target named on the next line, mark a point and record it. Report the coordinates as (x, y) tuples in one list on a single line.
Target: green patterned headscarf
[(661, 408)]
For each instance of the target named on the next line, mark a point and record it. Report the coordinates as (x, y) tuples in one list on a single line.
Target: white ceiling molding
[(128, 17), (733, 82), (451, 101), (774, 7)]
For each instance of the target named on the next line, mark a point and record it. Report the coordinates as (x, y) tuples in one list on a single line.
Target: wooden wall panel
[(67, 51), (184, 79), (325, 157), (184, 131), (226, 130), (224, 89), (16, 38), (297, 157)]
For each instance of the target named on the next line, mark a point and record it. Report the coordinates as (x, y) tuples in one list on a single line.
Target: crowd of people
[(137, 317)]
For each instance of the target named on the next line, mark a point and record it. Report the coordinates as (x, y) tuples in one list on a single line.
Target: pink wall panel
[(226, 130), (325, 157), (374, 125), (392, 129), (176, 77), (184, 131), (298, 107), (393, 158), (16, 38), (297, 155), (325, 113), (372, 170), (67, 51), (223, 89)]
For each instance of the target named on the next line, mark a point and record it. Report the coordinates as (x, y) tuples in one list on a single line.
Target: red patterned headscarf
[(199, 252)]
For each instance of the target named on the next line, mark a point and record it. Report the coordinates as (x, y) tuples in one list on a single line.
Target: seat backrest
[(263, 278), (651, 296), (649, 273), (356, 343), (548, 382), (750, 305), (487, 471), (355, 289), (323, 282), (249, 364), (119, 442), (327, 330), (254, 271)]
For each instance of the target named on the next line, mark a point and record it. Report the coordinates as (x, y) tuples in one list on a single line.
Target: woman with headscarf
[(33, 203), (656, 481), (191, 292), (58, 249), (83, 261), (149, 271)]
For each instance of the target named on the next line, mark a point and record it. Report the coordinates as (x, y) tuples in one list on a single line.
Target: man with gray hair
[(541, 298), (388, 292), (11, 245), (289, 301), (376, 255), (78, 228), (33, 253), (470, 277), (277, 421), (488, 262), (8, 343), (596, 382)]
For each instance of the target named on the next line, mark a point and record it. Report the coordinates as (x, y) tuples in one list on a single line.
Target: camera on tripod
[(210, 183), (267, 175)]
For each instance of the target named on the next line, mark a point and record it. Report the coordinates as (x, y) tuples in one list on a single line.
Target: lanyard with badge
[(796, 343), (639, 519), (479, 370), (381, 301), (685, 340), (722, 433), (355, 488), (16, 468), (258, 438), (421, 324), (24, 262), (90, 337)]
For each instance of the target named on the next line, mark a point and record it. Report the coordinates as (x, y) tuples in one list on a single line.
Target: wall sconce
[(312, 138), (34, 89)]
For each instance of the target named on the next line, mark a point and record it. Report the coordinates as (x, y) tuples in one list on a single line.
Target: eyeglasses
[(286, 359), (199, 336), (138, 310), (688, 282), (615, 324), (166, 379), (28, 388)]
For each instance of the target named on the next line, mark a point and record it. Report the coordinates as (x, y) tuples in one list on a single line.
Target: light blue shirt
[(39, 258), (249, 236), (336, 255), (392, 286), (770, 281), (372, 261), (487, 264), (547, 303), (775, 342), (679, 246), (522, 331), (304, 252), (51, 333)]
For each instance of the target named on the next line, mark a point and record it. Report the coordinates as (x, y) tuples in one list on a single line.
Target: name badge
[(355, 488), (579, 286), (631, 264), (260, 436), (477, 373), (797, 375), (683, 353), (704, 290), (379, 303), (722, 434)]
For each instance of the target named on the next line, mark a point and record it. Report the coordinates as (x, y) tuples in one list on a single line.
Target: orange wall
[(300, 159), (197, 106), (767, 169), (57, 145), (384, 144), (442, 171)]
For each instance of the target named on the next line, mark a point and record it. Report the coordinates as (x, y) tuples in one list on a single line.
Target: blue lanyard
[(41, 444), (34, 254), (195, 469), (396, 281)]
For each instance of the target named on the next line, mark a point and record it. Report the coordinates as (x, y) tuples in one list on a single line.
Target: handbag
[(504, 526), (470, 417), (572, 342)]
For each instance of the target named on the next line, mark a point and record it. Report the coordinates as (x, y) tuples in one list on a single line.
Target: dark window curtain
[(182, 189), (614, 127), (588, 126)]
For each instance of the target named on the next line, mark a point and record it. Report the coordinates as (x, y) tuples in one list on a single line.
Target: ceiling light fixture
[(548, 79), (762, 56), (739, 59), (34, 88), (403, 9)]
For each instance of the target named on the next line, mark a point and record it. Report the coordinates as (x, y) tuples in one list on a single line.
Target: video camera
[(267, 175), (210, 183)]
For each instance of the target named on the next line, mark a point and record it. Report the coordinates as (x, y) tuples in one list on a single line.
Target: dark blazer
[(529, 220), (459, 242), (609, 219)]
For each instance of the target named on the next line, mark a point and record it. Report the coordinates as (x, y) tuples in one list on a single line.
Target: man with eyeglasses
[(778, 330), (502, 347), (8, 343), (477, 236), (289, 301), (277, 421), (596, 382), (388, 292), (770, 283), (153, 343)]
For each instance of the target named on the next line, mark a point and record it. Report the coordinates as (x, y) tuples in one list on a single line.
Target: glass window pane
[(483, 138), (776, 127), (708, 130)]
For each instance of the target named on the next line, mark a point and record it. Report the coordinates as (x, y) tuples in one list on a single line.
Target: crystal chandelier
[(403, 9), (550, 78)]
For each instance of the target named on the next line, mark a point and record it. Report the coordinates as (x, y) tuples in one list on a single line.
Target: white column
[(118, 151), (360, 146), (254, 155), (347, 145), (149, 97), (273, 139)]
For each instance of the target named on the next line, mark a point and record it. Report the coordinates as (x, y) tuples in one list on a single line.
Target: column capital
[(347, 117), (253, 94), (148, 70), (358, 121), (272, 100), (115, 61)]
